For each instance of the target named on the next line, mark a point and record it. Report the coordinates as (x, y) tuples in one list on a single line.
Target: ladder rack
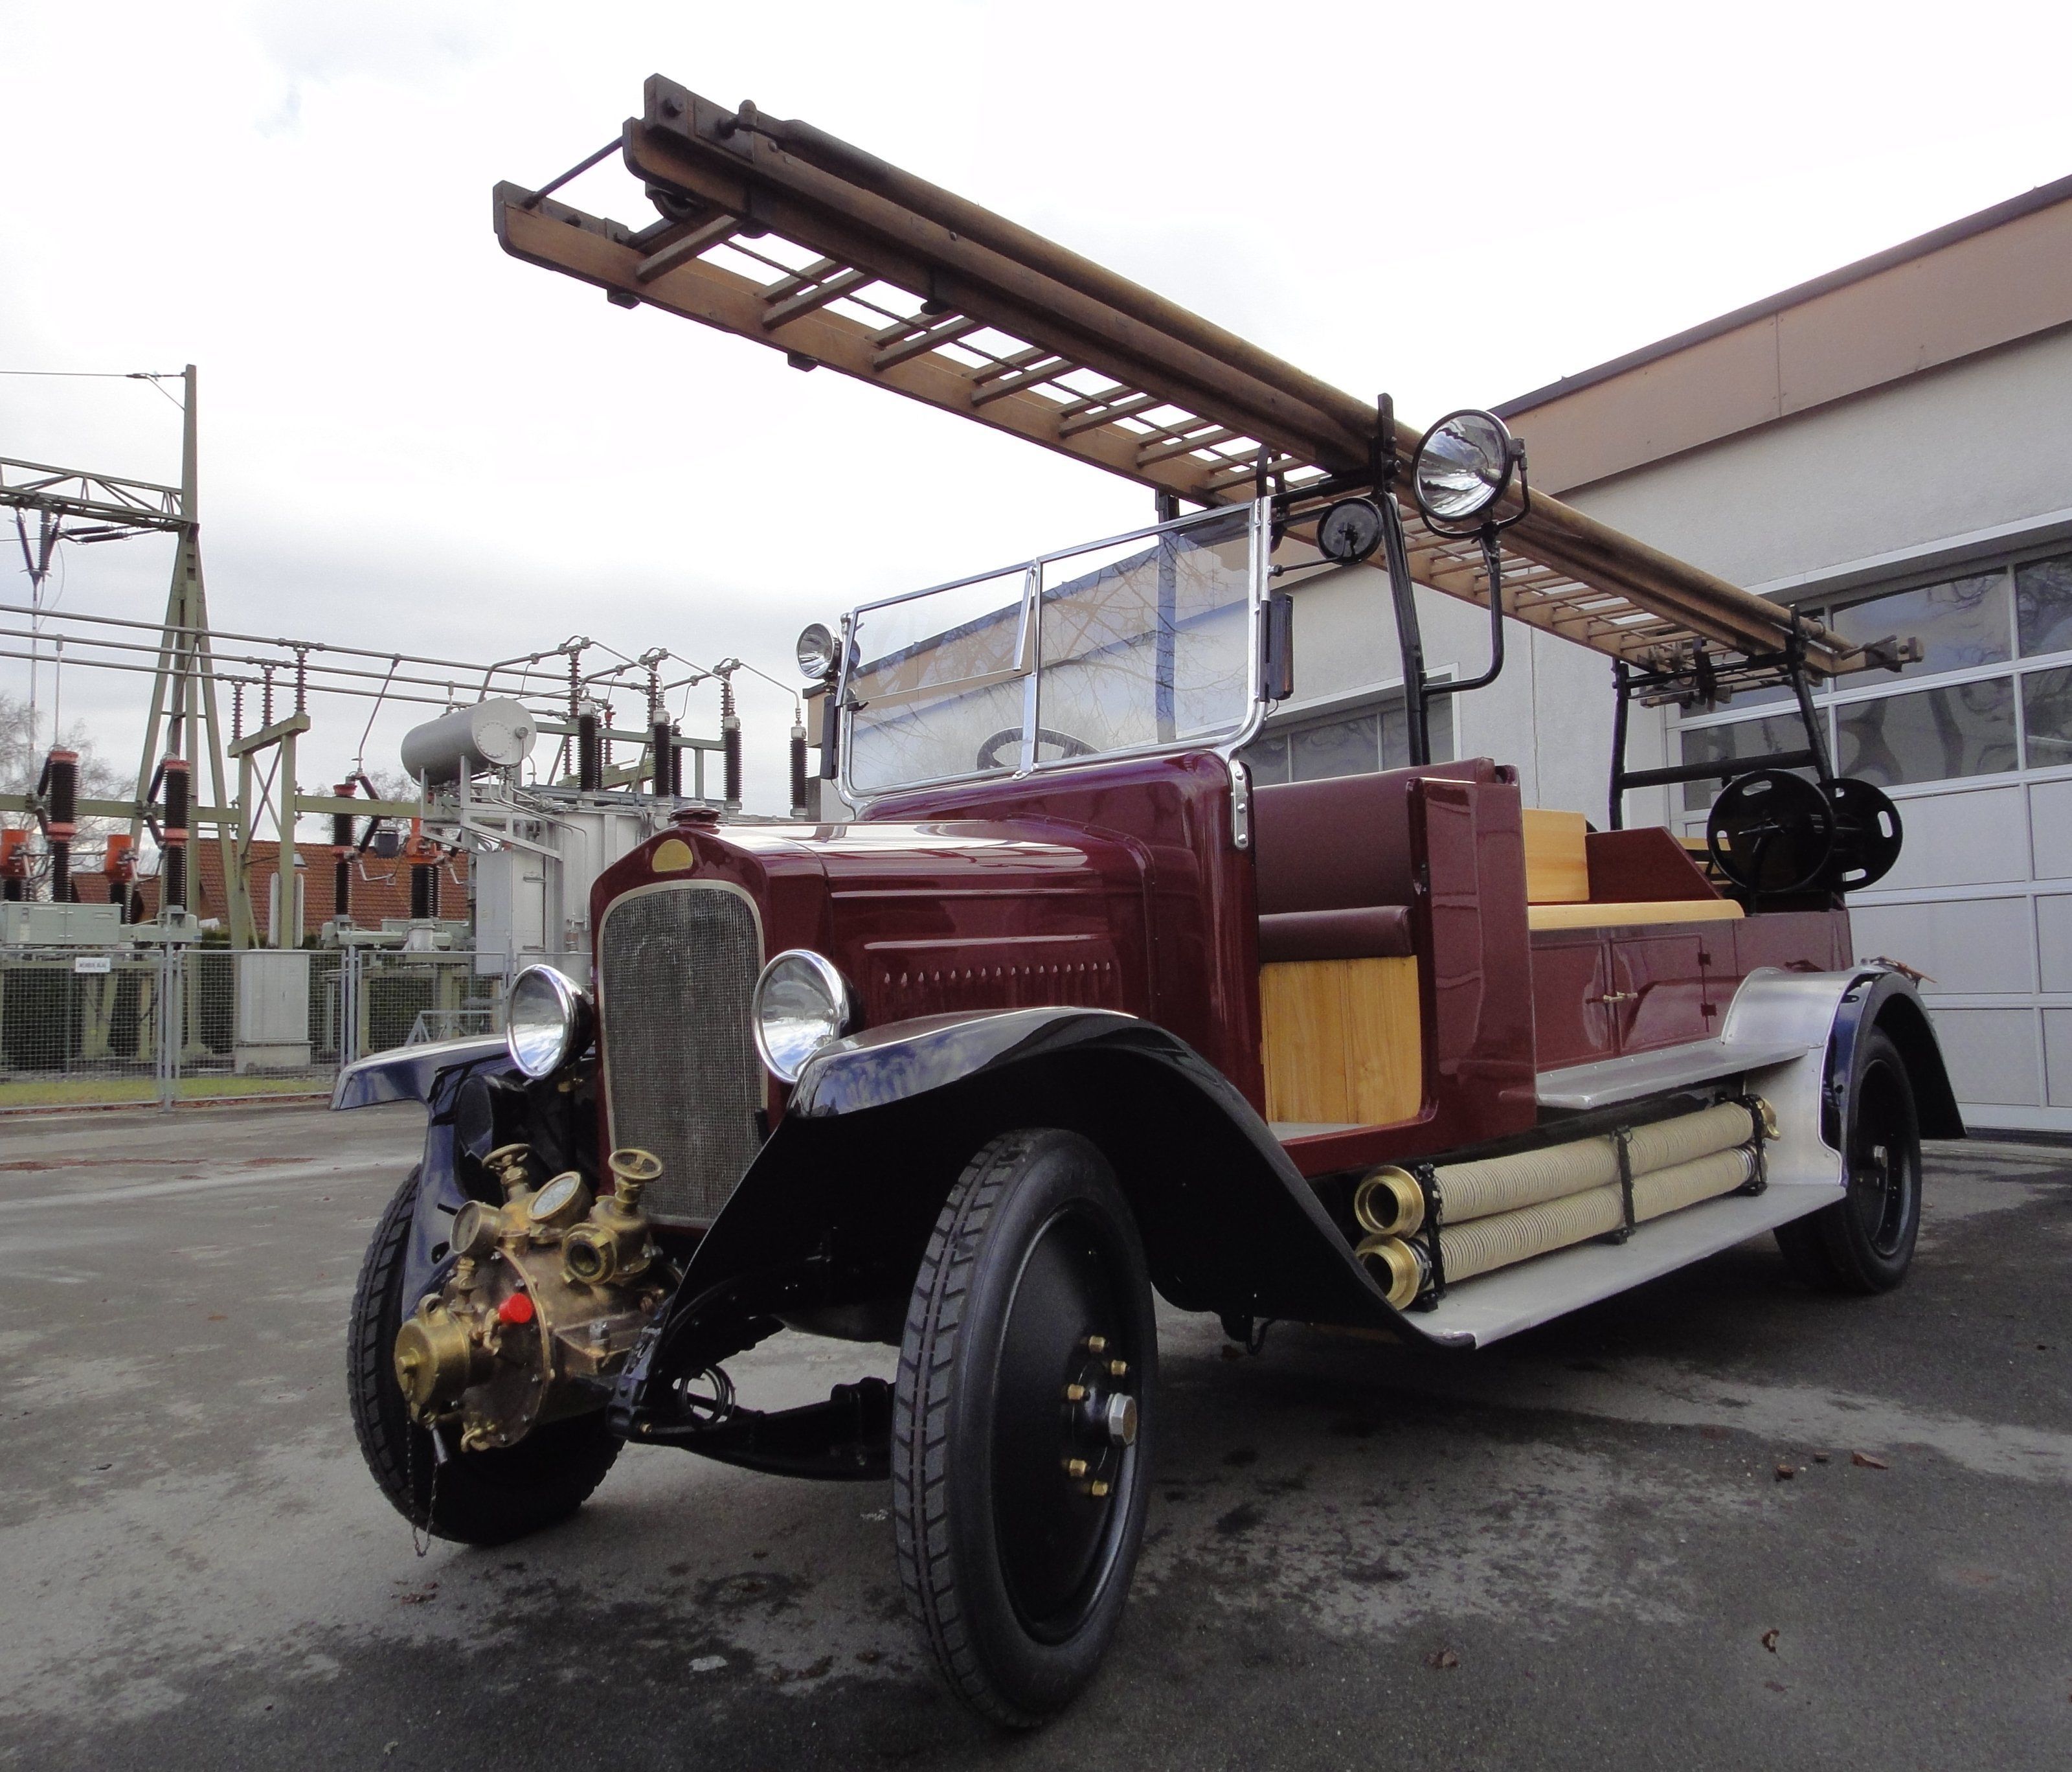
[(778, 232)]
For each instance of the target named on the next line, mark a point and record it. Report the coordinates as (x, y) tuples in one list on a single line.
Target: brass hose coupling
[(438, 1356)]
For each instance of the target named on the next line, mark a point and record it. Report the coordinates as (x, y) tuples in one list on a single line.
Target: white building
[(1890, 445)]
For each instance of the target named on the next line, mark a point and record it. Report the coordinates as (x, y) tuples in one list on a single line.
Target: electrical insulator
[(59, 792), (178, 804), (589, 753), (423, 859), (662, 749), (729, 741), (341, 824), (675, 764), (341, 853), (801, 808)]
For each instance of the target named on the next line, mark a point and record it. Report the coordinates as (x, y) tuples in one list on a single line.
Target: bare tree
[(23, 745)]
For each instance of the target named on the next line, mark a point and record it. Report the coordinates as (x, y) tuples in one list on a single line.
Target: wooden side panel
[(1341, 1041), (1557, 867)]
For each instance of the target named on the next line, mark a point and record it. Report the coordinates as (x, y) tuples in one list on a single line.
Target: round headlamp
[(546, 1020), (816, 654), (1463, 466), (801, 1003)]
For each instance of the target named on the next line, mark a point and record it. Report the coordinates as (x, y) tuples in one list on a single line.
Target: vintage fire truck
[(1066, 1010)]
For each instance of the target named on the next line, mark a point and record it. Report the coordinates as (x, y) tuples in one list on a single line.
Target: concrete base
[(271, 1055)]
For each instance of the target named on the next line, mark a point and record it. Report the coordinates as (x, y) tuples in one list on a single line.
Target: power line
[(101, 375)]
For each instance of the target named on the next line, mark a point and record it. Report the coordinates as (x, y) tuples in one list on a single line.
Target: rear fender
[(838, 1207), (1886, 1001)]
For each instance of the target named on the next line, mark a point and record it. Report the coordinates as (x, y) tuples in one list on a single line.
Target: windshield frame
[(1030, 664)]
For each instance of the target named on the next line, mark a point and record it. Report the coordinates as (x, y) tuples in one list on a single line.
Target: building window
[(2043, 606), (1932, 734), (1914, 736), (1961, 625), (1753, 739), (1357, 740)]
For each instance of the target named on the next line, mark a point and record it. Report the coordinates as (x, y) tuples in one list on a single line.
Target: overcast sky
[(410, 440)]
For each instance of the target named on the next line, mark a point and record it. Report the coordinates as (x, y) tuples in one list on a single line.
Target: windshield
[(1140, 643)]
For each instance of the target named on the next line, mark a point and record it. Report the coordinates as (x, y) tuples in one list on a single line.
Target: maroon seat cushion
[(1342, 844), (1375, 932)]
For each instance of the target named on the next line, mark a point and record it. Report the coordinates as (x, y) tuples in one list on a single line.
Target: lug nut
[(1075, 1393), (1075, 1467), (1096, 1344), (1097, 1489), (1117, 1368)]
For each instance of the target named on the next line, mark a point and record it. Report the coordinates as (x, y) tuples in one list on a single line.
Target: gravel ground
[(1576, 1549)]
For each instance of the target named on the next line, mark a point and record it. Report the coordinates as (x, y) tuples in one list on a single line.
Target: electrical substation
[(225, 926)]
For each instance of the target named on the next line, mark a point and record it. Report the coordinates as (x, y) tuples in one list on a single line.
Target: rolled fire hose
[(1482, 1244), (1389, 1202), (1673, 1163)]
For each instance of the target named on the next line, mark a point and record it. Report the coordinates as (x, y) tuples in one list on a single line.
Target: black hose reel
[(1775, 834)]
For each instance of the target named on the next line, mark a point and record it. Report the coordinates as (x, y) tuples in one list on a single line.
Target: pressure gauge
[(1350, 531), (561, 1203)]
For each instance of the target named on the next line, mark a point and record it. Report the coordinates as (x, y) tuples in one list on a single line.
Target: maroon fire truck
[(1064, 1010)]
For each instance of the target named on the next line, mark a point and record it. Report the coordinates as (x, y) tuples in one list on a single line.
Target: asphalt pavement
[(1579, 1549)]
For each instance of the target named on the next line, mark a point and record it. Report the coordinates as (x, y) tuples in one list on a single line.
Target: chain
[(420, 1529)]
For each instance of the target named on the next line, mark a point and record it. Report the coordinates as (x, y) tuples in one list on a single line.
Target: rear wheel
[(1021, 1444), (1864, 1241), (476, 1497)]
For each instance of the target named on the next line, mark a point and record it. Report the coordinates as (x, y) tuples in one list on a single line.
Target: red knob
[(517, 1309)]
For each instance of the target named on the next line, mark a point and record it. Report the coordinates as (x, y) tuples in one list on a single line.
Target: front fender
[(839, 1204), (410, 1074)]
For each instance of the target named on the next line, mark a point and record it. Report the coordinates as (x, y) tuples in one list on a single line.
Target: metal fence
[(94, 1026)]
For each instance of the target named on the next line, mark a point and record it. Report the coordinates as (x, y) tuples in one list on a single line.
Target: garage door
[(1975, 745)]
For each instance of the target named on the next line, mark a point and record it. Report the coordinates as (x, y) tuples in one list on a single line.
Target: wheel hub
[(1065, 1429)]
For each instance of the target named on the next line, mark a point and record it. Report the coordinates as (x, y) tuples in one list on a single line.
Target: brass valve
[(508, 1163)]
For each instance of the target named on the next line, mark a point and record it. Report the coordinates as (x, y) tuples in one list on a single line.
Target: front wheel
[(1021, 1435), (475, 1498), (1864, 1241)]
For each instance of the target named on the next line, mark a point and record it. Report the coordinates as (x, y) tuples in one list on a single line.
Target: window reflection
[(1752, 740), (2046, 712), (2043, 607), (1961, 625), (1371, 738), (1930, 734)]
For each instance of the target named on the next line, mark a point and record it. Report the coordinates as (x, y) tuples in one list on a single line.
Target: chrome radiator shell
[(676, 964)]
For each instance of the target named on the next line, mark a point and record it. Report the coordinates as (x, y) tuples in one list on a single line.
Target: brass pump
[(549, 1294)]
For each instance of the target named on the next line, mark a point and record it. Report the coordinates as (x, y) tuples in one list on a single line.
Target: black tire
[(1015, 1566), (1863, 1243), (480, 1498)]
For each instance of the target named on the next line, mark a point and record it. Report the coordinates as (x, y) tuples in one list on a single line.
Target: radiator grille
[(676, 965)]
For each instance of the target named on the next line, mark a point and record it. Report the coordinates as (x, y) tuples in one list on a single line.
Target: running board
[(1608, 1082), (1491, 1306)]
